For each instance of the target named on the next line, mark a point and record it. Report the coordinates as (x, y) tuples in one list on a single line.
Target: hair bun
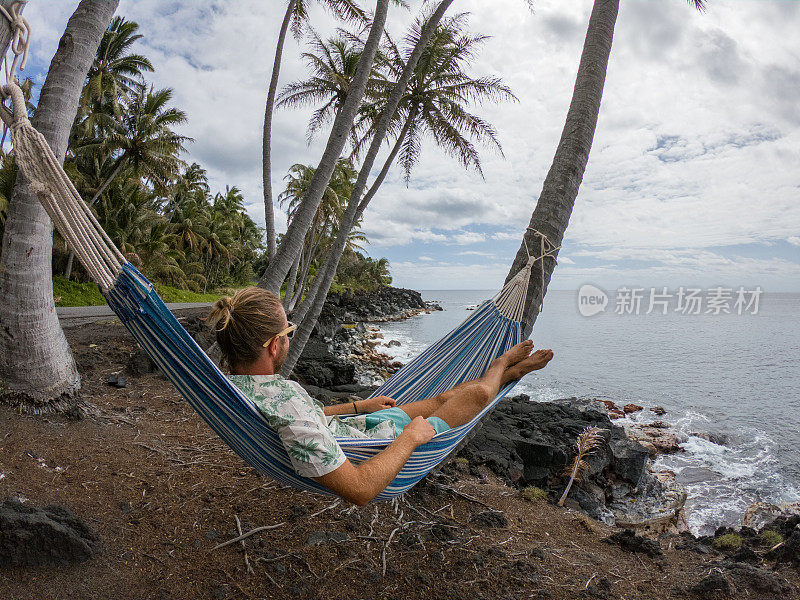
[(221, 313)]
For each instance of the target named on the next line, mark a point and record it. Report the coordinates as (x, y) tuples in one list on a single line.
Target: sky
[(693, 178)]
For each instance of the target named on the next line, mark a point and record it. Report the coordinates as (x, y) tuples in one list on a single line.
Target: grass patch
[(72, 293), (533, 494), (770, 538), (729, 541)]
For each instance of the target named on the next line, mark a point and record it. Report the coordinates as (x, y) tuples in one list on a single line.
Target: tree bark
[(290, 282), (36, 362), (554, 206), (355, 207), (292, 241), (269, 209)]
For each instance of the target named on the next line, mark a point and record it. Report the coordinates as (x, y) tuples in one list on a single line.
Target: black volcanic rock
[(31, 536), (532, 443)]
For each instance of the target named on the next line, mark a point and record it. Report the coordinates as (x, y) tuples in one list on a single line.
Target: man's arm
[(369, 405), (361, 483)]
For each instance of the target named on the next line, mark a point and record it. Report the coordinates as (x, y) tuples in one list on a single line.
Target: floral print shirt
[(307, 434)]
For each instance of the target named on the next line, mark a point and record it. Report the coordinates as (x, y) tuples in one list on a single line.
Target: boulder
[(531, 444), (760, 514), (31, 536)]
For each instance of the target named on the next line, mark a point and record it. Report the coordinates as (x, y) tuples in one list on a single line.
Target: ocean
[(730, 384)]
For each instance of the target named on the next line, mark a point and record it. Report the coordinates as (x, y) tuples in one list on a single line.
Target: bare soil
[(162, 491)]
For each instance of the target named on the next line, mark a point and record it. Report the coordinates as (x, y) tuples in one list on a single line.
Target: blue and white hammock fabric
[(462, 355)]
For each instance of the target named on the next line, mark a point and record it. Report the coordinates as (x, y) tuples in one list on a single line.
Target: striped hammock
[(463, 354)]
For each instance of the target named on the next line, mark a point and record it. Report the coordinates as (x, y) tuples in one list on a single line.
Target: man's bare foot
[(534, 362), (514, 355)]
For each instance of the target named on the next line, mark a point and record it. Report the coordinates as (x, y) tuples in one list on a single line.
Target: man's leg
[(492, 379), (463, 404)]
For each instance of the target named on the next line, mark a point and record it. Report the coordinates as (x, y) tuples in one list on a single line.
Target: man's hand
[(360, 484), (419, 431), (370, 405)]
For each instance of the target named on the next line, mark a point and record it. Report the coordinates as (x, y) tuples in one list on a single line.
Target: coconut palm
[(297, 15), (116, 73), (437, 51), (557, 198), (36, 364), (8, 177), (141, 139), (292, 242), (326, 219), (333, 64)]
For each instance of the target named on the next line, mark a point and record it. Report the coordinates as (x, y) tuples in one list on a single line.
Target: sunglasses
[(288, 332)]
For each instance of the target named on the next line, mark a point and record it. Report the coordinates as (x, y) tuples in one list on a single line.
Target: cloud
[(696, 148), (718, 55)]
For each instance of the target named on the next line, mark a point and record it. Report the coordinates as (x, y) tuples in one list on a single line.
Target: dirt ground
[(162, 491)]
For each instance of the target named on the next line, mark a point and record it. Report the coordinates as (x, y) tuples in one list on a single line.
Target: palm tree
[(8, 177), (142, 139), (554, 206), (35, 361), (115, 73), (292, 242), (333, 65), (297, 15), (438, 52), (326, 221)]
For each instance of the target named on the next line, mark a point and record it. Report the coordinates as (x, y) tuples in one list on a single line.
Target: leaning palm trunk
[(554, 207), (292, 242), (35, 362), (328, 270), (355, 205), (290, 283), (269, 211)]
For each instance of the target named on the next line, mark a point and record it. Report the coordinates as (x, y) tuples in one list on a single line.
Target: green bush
[(533, 494), (729, 541), (770, 538)]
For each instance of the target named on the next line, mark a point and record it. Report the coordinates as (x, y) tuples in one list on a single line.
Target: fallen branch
[(247, 535), (244, 547)]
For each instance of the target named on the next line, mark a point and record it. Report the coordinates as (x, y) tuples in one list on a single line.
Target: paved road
[(72, 316)]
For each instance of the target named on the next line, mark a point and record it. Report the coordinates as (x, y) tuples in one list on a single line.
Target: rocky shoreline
[(341, 354), (527, 444)]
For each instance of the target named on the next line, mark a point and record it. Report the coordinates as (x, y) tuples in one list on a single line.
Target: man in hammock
[(253, 334)]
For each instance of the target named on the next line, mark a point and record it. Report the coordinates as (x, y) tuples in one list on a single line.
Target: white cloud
[(696, 147)]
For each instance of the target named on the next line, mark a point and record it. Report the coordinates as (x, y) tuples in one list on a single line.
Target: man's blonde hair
[(245, 322)]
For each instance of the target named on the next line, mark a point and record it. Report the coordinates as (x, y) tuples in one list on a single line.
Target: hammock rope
[(463, 354)]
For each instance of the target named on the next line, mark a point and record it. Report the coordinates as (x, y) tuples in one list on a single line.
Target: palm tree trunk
[(554, 207), (106, 183), (329, 266), (290, 283), (292, 242), (269, 210), (355, 207), (36, 362)]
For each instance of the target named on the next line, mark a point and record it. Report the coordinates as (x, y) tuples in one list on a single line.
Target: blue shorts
[(400, 419)]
